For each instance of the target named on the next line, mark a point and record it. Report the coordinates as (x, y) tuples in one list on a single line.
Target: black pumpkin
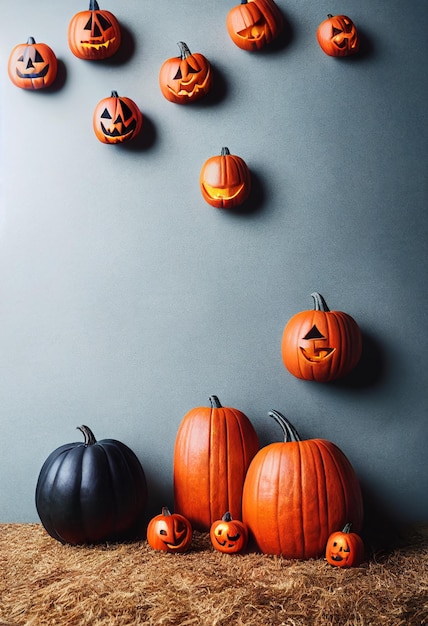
[(91, 492)]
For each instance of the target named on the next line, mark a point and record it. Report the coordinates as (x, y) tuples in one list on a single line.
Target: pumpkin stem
[(114, 94), (215, 402), (347, 528), (329, 15), (31, 41), (88, 434), (165, 511), (319, 303), (227, 517), (290, 433), (93, 5), (225, 151), (184, 50), (244, 1)]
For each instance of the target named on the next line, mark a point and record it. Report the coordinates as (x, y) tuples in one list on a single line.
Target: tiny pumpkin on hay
[(185, 78), (338, 36), (344, 548), (229, 535), (94, 34), (169, 532), (225, 180), (320, 344), (32, 65), (116, 119), (254, 23)]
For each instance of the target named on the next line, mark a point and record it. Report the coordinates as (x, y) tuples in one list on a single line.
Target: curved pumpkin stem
[(319, 303), (31, 41), (290, 433), (114, 94), (93, 5), (88, 434), (224, 151), (184, 50), (347, 528), (226, 517), (215, 402), (165, 511)]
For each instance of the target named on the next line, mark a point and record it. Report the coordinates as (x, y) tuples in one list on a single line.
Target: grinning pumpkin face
[(169, 532), (228, 535), (225, 180), (254, 23), (32, 65), (94, 34), (117, 119), (185, 78), (344, 549), (338, 36)]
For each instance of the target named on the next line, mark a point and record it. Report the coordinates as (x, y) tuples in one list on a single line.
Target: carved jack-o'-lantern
[(169, 532), (338, 36), (321, 345), (229, 535), (32, 65), (94, 34), (185, 78), (254, 23), (344, 549), (117, 119), (225, 180)]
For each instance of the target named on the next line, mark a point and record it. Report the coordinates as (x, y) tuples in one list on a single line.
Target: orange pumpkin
[(229, 535), (213, 449), (225, 180), (32, 65), (94, 34), (344, 549), (254, 23), (169, 532), (338, 36), (185, 78), (321, 345), (296, 493), (116, 119)]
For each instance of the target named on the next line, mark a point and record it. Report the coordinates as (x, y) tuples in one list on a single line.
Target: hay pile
[(45, 583)]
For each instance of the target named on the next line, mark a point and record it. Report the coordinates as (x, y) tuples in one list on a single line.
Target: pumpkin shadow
[(217, 93), (281, 42), (59, 82), (381, 528), (370, 369), (145, 139), (125, 52), (254, 202), (366, 50)]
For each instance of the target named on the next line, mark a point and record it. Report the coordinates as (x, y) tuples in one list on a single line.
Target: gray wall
[(126, 300)]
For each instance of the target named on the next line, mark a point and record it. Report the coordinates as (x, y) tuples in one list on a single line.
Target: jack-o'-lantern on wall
[(338, 36), (185, 78), (94, 33), (225, 180), (116, 119), (254, 23), (32, 65)]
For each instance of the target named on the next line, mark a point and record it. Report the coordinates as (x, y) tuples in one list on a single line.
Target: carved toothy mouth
[(97, 45), (319, 354), (115, 133), (41, 74), (336, 558)]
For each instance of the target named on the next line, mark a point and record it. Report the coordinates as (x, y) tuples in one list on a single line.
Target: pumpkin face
[(338, 36), (254, 23), (344, 549), (94, 34), (91, 492), (169, 532), (117, 119), (185, 78), (225, 180), (321, 345), (32, 65), (296, 493), (228, 535), (213, 449)]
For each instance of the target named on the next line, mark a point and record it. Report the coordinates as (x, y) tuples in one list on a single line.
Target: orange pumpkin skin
[(296, 493), (169, 532), (321, 345), (213, 449), (94, 34), (116, 119), (185, 78), (344, 548), (254, 23), (32, 65), (229, 535), (225, 180), (338, 36)]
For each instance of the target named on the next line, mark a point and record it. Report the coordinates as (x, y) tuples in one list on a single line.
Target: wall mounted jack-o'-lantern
[(117, 119), (225, 180), (338, 36), (321, 345), (169, 532), (32, 65), (254, 23), (185, 78), (229, 535), (344, 548), (94, 34)]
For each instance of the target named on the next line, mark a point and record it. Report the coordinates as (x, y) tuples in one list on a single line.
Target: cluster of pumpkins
[(95, 34)]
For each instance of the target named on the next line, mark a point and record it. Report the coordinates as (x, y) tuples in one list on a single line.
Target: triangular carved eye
[(191, 70), (126, 111), (106, 115), (88, 24), (178, 75), (336, 31), (38, 57), (314, 333), (104, 22)]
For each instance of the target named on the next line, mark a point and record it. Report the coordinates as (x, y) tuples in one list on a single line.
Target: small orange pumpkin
[(225, 180), (254, 23), (32, 65), (169, 532), (94, 34), (185, 78), (344, 548), (229, 535), (117, 119), (338, 36)]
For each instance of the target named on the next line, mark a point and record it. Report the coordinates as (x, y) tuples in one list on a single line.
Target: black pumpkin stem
[(224, 151), (290, 433), (319, 303), (347, 528), (227, 517), (165, 511), (215, 402), (184, 50), (88, 434), (31, 41), (114, 94), (93, 5)]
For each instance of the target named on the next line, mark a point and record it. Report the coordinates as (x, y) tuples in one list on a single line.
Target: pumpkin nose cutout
[(314, 333)]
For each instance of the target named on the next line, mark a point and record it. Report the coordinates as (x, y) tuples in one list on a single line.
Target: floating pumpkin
[(185, 78), (254, 23), (320, 344), (213, 449), (32, 65), (229, 535), (296, 493), (117, 119), (338, 36), (91, 492), (94, 34), (225, 180), (169, 532), (344, 548)]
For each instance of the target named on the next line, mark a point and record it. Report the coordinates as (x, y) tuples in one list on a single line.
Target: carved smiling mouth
[(115, 133), (223, 194), (318, 354), (232, 539), (41, 74), (336, 558), (97, 45)]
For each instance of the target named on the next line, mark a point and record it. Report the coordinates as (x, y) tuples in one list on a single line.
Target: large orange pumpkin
[(94, 34), (320, 344), (338, 36), (32, 65), (296, 493), (213, 449), (225, 180), (185, 78), (254, 23)]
